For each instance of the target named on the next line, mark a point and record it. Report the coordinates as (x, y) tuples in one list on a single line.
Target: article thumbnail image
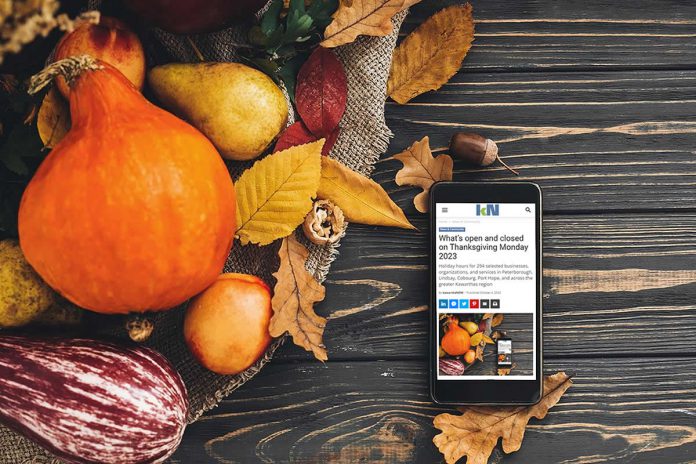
[(486, 344)]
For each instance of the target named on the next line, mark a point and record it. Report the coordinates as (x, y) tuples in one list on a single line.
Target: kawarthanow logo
[(488, 210)]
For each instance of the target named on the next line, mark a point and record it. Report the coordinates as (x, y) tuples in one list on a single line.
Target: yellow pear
[(240, 109)]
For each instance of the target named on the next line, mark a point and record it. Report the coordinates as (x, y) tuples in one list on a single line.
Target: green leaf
[(299, 25), (271, 18), (288, 73), (267, 66), (321, 11), (257, 37), (297, 5), (287, 41)]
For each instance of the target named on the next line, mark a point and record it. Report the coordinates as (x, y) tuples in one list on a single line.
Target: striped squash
[(89, 401)]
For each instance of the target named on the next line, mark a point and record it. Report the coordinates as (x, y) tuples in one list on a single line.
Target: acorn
[(476, 149)]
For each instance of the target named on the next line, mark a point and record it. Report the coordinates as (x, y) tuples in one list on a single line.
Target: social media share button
[(453, 304), (495, 304), (485, 304), (463, 304), (474, 304), (442, 304)]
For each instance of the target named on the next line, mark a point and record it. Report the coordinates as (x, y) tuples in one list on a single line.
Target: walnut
[(324, 223)]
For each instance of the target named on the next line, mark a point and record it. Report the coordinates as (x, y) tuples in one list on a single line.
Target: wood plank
[(565, 34), (610, 141), (620, 410), (610, 281)]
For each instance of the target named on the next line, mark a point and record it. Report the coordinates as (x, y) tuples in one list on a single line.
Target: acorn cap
[(490, 153)]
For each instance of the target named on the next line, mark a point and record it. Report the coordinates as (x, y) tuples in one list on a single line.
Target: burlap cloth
[(364, 137)]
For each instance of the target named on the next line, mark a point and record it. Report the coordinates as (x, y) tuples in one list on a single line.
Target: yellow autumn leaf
[(431, 54), (362, 17), (360, 198), (275, 194), (422, 170), (294, 296), (53, 120)]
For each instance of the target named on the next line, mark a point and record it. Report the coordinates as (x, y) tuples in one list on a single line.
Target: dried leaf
[(294, 296), (476, 431), (321, 92), (487, 316), (361, 199), (497, 320), (53, 121), (431, 54), (422, 170), (488, 339), (497, 334), (362, 17), (298, 134), (294, 135), (275, 194), (479, 352), (504, 371), (476, 338)]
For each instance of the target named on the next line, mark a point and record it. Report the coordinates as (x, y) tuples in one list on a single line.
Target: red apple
[(187, 17), (226, 326), (110, 41)]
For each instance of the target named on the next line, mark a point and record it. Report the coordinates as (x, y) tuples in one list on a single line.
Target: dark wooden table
[(595, 101)]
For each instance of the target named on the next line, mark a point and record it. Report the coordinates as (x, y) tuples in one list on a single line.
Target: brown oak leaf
[(476, 431), (362, 17), (479, 351), (422, 170), (432, 54), (497, 320), (294, 296)]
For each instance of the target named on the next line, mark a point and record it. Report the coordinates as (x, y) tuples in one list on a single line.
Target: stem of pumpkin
[(69, 68)]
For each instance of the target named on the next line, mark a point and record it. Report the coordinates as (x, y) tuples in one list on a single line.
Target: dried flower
[(324, 223), (22, 21)]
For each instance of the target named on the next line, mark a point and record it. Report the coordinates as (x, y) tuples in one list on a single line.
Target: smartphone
[(485, 265), (503, 350)]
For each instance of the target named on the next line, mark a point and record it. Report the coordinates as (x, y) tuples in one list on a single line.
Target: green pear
[(240, 109)]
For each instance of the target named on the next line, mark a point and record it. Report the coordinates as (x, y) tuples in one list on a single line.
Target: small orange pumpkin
[(134, 210), (457, 340)]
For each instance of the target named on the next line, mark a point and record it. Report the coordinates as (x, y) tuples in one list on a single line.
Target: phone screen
[(485, 283), (504, 352)]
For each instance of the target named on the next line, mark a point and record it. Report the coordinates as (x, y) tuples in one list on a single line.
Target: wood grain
[(619, 410), (619, 141), (567, 35)]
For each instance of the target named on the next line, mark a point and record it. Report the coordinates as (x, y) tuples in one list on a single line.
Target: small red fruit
[(110, 41)]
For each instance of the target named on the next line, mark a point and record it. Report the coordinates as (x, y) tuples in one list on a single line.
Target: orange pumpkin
[(457, 340), (134, 210)]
